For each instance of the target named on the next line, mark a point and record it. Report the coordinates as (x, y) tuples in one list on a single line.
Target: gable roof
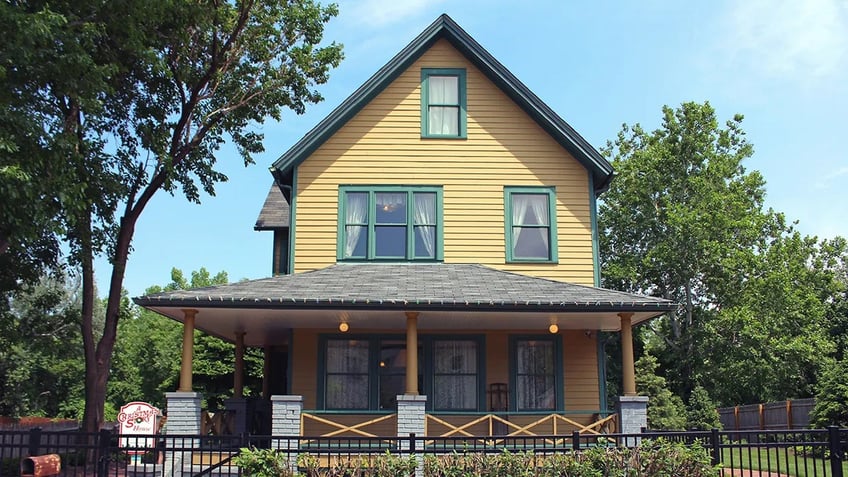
[(275, 212), (445, 28)]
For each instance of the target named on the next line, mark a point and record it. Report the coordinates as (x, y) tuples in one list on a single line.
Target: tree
[(831, 396), (682, 220), (665, 410), (40, 349), (147, 362), (155, 91), (701, 412)]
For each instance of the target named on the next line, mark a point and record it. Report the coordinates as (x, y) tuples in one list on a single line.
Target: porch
[(430, 349)]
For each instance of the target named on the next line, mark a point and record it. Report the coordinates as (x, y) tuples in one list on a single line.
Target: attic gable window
[(530, 219), (443, 102), (391, 223)]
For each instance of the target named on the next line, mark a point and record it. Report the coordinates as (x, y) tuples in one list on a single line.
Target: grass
[(785, 460)]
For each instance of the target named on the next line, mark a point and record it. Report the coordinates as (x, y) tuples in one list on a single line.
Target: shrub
[(701, 412), (831, 396)]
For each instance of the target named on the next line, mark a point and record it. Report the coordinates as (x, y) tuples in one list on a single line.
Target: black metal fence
[(788, 452)]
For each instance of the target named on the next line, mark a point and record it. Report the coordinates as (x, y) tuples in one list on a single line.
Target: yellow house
[(435, 265)]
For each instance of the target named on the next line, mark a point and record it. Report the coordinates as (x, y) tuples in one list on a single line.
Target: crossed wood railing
[(554, 422), (341, 428)]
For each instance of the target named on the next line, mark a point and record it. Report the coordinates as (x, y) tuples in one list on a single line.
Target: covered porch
[(431, 349)]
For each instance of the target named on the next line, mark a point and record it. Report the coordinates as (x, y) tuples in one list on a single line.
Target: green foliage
[(40, 349), (655, 458), (273, 463), (831, 396), (120, 100), (684, 220), (263, 463), (147, 354), (701, 412), (665, 410)]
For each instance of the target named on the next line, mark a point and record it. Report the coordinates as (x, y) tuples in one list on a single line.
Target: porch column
[(628, 373), (188, 350), (237, 405), (266, 372), (411, 353), (238, 375)]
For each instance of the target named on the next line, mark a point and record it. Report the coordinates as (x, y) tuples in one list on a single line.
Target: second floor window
[(443, 103), (399, 223), (530, 224)]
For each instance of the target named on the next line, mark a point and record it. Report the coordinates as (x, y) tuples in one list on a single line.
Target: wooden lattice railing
[(554, 424), (340, 428)]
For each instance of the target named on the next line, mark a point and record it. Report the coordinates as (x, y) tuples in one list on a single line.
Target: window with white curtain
[(535, 378), (530, 224), (455, 382), (369, 372), (443, 103), (397, 223)]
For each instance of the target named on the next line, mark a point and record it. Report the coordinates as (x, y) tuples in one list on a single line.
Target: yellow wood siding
[(382, 144)]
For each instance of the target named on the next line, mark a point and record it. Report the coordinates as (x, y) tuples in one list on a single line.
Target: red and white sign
[(138, 419)]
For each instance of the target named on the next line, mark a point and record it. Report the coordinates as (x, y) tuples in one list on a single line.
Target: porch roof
[(451, 295)]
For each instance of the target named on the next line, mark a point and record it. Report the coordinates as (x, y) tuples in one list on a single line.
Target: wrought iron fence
[(105, 454)]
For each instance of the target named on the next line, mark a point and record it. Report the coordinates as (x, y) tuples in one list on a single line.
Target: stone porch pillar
[(412, 419), (286, 412)]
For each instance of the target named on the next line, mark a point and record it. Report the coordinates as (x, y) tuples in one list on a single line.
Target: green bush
[(654, 458), (701, 412), (831, 396)]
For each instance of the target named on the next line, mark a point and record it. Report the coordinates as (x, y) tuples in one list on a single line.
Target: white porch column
[(188, 351), (411, 353)]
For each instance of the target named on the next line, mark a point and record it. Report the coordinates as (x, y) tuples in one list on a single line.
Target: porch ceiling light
[(554, 329), (344, 327)]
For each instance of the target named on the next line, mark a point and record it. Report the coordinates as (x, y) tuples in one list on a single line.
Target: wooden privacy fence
[(789, 414)]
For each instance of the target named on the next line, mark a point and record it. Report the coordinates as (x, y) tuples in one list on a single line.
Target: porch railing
[(329, 424), (520, 424)]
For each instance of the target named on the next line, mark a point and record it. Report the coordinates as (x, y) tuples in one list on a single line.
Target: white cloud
[(828, 180), (802, 40), (380, 13)]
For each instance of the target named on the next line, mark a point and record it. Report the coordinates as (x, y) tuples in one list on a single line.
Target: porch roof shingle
[(432, 286)]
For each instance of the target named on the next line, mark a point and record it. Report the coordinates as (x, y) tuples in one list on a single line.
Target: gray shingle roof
[(437, 286), (275, 211)]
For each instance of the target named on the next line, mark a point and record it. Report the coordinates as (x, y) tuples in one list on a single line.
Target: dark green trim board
[(292, 219), (602, 369), (461, 105), (559, 371), (550, 193), (445, 28), (593, 211), (370, 223)]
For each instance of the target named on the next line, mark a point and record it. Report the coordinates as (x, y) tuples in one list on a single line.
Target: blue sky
[(783, 64)]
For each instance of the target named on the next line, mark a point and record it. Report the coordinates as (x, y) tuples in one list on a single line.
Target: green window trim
[(425, 370), (559, 389), (550, 194), (370, 223), (460, 104)]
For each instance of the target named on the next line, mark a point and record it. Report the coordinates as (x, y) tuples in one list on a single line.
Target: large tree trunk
[(99, 360)]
